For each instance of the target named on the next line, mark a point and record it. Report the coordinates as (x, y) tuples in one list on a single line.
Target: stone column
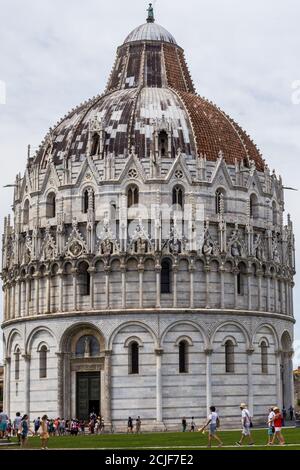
[(123, 275), (48, 292), (26, 358), (207, 279), (175, 271), (279, 379), (159, 407), (19, 297), (158, 274), (60, 384), (208, 353), (107, 388), (222, 278), (27, 296), (7, 379), (250, 352), (37, 293), (276, 302), (268, 292), (107, 271), (249, 274), (75, 300), (282, 296), (192, 270), (13, 301), (141, 281), (287, 311), (92, 291), (235, 274), (61, 290)]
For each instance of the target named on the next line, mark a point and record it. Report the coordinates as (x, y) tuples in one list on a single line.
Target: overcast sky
[(244, 56)]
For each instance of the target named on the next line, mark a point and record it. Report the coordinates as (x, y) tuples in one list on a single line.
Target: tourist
[(44, 434), (278, 423), (62, 427), (246, 426), (284, 414), (92, 426), (36, 425), (193, 425), (271, 428), (25, 430), (291, 412), (138, 425), (3, 423), (129, 425), (184, 424), (17, 427), (213, 421), (102, 425)]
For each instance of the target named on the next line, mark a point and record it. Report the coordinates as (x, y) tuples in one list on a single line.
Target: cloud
[(242, 55)]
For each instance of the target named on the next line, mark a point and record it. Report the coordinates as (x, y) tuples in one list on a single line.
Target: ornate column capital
[(159, 352), (250, 351), (278, 352), (108, 352), (26, 357), (208, 351), (92, 270), (7, 360)]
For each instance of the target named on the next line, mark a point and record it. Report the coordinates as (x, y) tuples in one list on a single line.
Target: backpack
[(218, 422)]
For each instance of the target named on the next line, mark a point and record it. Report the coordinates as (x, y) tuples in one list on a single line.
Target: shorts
[(278, 429), (246, 431), (3, 427), (212, 429), (270, 432), (45, 436)]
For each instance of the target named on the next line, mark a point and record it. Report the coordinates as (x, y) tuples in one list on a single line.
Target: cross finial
[(150, 11)]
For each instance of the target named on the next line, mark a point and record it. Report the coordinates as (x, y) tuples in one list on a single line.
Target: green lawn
[(165, 441)]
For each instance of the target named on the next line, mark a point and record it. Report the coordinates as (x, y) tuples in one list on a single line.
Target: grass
[(165, 441)]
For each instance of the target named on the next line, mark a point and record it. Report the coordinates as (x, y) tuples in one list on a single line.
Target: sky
[(244, 56)]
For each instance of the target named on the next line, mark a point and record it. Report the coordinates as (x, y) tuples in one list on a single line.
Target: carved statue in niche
[(275, 251), (87, 347), (141, 246), (257, 247), (236, 246), (235, 249)]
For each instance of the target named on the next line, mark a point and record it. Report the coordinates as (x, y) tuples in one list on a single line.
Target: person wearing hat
[(44, 433), (246, 425), (271, 428), (278, 422)]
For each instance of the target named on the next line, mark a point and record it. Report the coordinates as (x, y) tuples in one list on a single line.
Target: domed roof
[(150, 89), (150, 32)]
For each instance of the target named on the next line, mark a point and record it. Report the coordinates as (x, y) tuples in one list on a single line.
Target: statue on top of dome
[(150, 11)]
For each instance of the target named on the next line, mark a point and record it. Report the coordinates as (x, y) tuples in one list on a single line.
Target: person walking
[(138, 426), (17, 427), (36, 425), (271, 428), (44, 433), (3, 423), (213, 421), (246, 426), (278, 423), (184, 424), (129, 425), (24, 430), (193, 425)]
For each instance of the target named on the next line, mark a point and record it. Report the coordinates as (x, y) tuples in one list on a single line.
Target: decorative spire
[(150, 11)]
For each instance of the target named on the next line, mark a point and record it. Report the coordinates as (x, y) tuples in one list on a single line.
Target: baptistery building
[(147, 267)]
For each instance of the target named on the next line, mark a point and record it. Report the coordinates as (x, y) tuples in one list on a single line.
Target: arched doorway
[(286, 368), (83, 374)]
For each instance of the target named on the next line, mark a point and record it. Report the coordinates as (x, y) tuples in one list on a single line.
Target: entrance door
[(87, 394)]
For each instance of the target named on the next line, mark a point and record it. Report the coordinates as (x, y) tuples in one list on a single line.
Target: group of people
[(275, 423), (138, 425)]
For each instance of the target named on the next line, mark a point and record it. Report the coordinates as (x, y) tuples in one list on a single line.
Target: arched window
[(274, 213), (88, 200), (219, 199), (43, 352), (254, 206), (87, 346), (133, 196), (163, 144), (229, 356), (26, 213), (133, 358), (178, 196), (51, 206), (264, 357), (95, 148), (17, 364), (84, 279), (183, 357), (165, 281)]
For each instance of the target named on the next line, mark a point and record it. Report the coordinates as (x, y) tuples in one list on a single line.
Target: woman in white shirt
[(213, 422)]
